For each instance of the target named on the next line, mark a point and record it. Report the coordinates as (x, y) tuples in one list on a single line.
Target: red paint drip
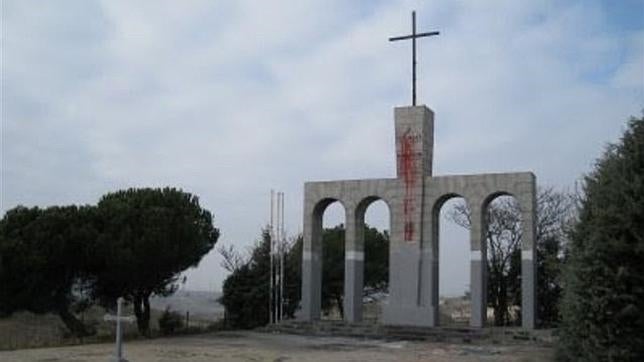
[(409, 175)]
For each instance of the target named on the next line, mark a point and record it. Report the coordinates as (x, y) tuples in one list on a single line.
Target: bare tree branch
[(232, 259), (504, 233), (460, 215)]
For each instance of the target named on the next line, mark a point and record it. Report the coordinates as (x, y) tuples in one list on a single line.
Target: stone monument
[(414, 199)]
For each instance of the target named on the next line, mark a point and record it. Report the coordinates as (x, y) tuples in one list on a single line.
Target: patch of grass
[(27, 330)]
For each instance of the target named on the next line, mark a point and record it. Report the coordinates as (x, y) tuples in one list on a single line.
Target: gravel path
[(253, 346)]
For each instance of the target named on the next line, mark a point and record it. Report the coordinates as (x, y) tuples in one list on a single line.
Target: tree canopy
[(376, 266), (245, 290), (135, 243), (603, 303), (44, 258), (555, 212), (148, 237)]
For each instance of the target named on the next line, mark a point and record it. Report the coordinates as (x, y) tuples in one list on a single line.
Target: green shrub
[(170, 321), (603, 304)]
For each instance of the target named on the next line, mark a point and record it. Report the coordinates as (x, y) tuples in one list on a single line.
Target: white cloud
[(231, 99)]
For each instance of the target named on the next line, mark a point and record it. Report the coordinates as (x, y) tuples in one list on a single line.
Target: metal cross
[(413, 37), (118, 318)]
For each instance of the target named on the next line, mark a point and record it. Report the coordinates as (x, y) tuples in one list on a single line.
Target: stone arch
[(526, 203), (321, 205), (435, 245), (354, 257), (364, 203), (494, 195), (436, 208), (361, 209), (312, 255), (435, 215), (359, 215), (317, 215), (446, 197)]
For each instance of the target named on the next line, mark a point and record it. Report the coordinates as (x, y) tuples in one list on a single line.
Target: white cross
[(119, 318)]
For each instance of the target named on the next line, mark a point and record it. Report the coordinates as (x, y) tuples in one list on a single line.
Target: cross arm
[(411, 36), (113, 318)]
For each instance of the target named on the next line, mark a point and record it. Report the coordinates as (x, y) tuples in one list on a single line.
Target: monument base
[(400, 315)]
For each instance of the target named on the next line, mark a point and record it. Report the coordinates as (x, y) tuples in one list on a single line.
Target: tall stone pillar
[(430, 266), (414, 149), (478, 267), (528, 203), (353, 267), (311, 261)]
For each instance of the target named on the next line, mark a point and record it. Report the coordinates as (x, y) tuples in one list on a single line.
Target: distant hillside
[(201, 305)]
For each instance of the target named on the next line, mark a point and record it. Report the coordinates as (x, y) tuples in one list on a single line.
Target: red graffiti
[(409, 175)]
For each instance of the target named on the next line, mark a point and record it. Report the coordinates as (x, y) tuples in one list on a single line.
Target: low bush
[(170, 322)]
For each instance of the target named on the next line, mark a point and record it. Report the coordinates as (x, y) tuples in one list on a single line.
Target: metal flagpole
[(413, 58), (277, 247), (270, 235), (275, 241), (282, 242), (277, 254)]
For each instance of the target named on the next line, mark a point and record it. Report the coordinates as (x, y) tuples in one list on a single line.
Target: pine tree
[(603, 304)]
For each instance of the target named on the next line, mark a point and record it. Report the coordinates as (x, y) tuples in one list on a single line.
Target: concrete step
[(375, 330), (436, 334)]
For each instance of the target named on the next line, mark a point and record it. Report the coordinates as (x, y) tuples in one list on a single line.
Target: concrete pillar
[(528, 289), (404, 273), (529, 258), (429, 282), (312, 263), (478, 268), (430, 264), (414, 128), (353, 266), (414, 145)]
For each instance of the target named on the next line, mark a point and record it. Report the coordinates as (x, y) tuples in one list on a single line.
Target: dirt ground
[(253, 346)]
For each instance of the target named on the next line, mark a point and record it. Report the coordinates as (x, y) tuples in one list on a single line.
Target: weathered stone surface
[(496, 335), (414, 199)]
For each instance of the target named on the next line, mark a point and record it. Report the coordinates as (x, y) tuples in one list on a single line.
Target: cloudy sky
[(228, 99)]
